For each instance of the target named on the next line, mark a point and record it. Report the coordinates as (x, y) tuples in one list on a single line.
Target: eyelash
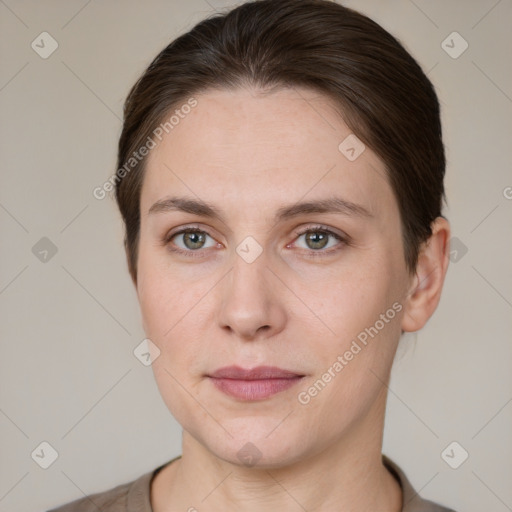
[(311, 253), (345, 240)]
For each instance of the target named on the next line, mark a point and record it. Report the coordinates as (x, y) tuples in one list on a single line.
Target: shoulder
[(126, 497), (112, 500), (412, 501)]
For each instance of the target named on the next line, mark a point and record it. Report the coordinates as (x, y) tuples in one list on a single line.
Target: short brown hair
[(381, 91)]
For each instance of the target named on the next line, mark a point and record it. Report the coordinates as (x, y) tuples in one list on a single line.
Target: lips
[(253, 384), (258, 373)]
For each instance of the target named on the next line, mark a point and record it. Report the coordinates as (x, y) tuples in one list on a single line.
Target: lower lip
[(254, 389)]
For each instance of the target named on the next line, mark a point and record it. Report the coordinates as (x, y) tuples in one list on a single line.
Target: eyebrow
[(205, 209)]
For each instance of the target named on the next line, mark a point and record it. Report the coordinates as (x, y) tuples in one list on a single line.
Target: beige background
[(69, 325)]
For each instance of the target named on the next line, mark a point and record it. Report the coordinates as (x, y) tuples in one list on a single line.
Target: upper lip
[(258, 373)]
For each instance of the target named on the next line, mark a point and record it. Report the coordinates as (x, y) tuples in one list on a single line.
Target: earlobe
[(427, 283)]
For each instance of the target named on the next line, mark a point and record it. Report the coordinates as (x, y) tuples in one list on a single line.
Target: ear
[(427, 283)]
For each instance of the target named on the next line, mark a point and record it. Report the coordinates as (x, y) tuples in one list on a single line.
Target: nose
[(251, 300)]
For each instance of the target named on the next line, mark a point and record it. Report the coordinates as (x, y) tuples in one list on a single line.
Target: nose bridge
[(248, 280), (248, 302)]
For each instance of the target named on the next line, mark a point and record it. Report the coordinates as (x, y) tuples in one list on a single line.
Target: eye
[(189, 240), (317, 240), (321, 239)]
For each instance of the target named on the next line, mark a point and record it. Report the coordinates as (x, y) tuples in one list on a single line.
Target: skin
[(297, 306)]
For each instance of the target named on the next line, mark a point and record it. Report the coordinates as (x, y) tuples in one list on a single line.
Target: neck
[(349, 475)]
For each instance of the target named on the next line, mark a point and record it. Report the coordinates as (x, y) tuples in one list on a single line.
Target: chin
[(257, 443)]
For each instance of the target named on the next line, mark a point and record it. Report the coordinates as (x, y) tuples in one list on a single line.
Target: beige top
[(134, 496)]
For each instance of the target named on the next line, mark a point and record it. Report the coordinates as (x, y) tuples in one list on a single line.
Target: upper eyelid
[(320, 228), (297, 231)]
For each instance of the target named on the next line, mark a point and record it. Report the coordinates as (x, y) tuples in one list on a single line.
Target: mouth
[(254, 384)]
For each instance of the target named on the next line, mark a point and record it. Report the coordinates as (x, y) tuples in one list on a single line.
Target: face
[(262, 280)]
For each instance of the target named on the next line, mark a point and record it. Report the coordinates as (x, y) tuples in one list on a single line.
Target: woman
[(280, 177)]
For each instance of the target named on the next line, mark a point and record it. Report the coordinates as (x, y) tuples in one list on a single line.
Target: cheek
[(164, 309), (160, 293), (364, 311), (356, 299), (173, 310), (353, 369)]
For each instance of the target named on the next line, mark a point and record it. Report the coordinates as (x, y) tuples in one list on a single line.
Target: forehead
[(252, 151)]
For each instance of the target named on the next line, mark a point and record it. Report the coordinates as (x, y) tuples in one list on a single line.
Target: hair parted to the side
[(380, 91)]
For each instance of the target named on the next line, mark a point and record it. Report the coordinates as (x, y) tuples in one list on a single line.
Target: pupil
[(320, 238), (195, 238)]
